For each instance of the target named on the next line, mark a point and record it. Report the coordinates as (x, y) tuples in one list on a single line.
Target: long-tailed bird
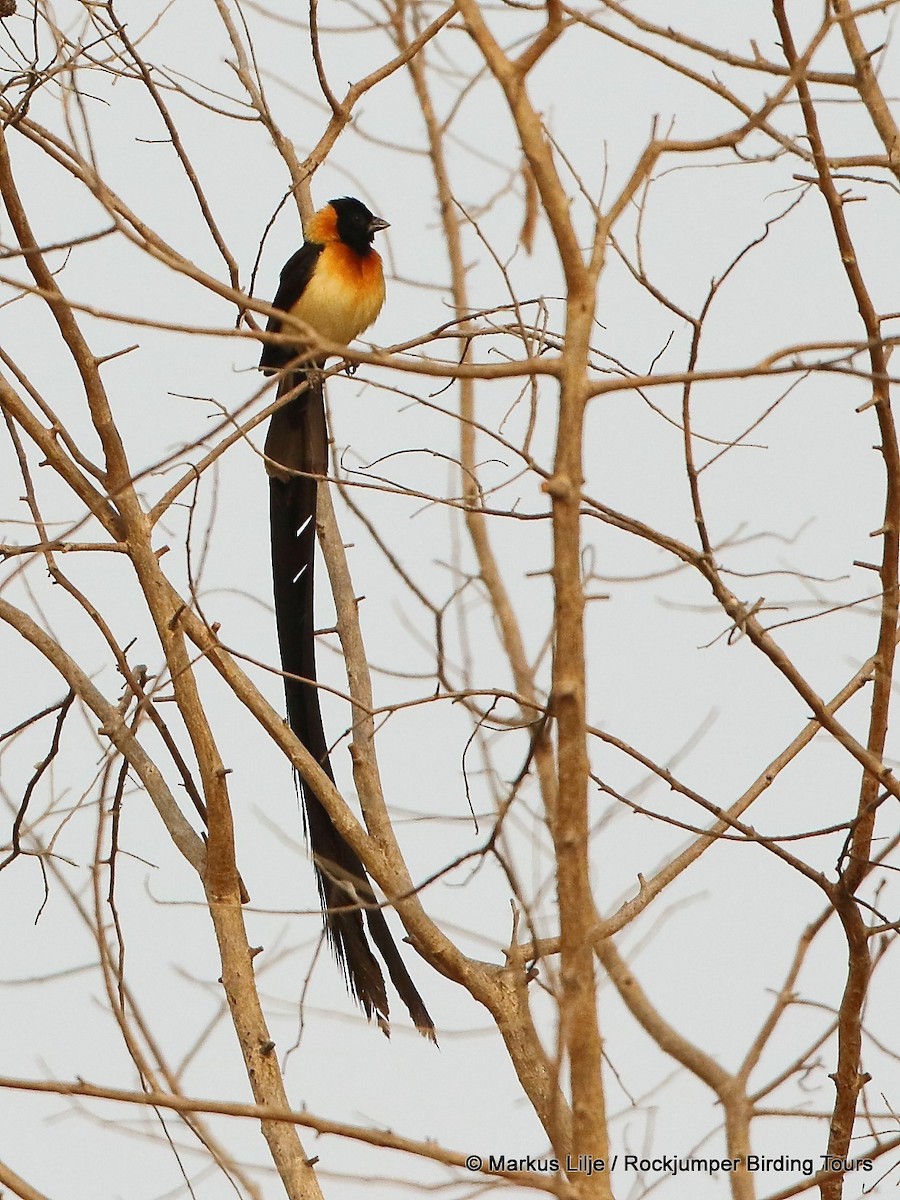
[(335, 285)]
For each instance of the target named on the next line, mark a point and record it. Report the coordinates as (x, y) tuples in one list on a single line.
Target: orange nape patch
[(344, 294), (322, 227)]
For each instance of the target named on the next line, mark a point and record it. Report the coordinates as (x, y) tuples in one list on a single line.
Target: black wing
[(295, 275)]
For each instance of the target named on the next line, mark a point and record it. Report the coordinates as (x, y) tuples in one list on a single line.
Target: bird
[(334, 284)]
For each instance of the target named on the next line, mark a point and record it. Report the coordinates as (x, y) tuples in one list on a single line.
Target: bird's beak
[(378, 223)]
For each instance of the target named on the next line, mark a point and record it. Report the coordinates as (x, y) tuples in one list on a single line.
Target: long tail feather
[(297, 442)]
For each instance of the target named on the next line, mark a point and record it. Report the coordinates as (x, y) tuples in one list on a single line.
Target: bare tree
[(608, 624)]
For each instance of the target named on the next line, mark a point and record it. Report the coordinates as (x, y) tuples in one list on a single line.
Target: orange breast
[(344, 295)]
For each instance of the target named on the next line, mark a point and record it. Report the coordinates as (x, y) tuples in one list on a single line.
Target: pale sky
[(794, 508)]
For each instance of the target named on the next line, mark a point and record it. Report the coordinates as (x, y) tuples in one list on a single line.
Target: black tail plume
[(297, 443)]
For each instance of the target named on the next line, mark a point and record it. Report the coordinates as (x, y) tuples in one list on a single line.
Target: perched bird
[(335, 285)]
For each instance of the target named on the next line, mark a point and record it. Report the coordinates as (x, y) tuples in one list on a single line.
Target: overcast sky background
[(804, 498)]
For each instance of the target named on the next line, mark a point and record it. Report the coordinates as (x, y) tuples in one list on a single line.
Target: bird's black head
[(355, 224)]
